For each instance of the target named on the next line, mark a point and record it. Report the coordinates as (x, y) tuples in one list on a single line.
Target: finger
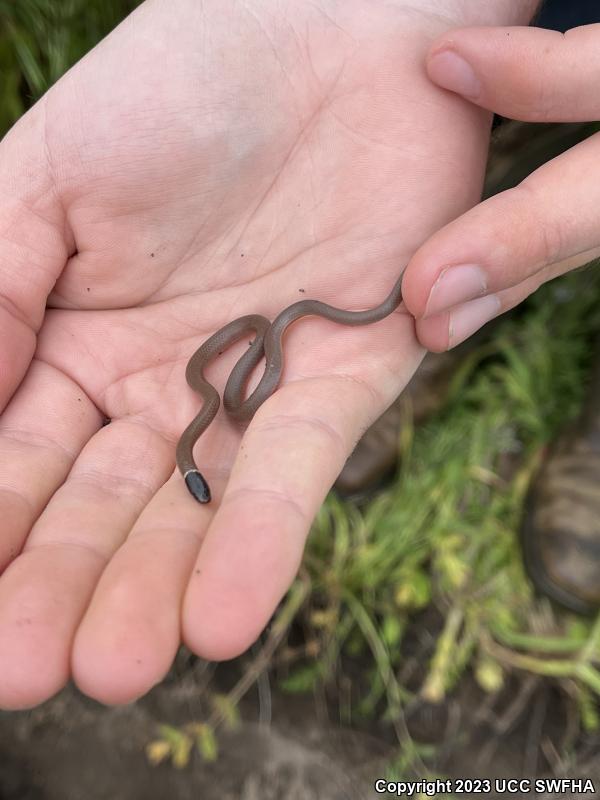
[(290, 455), (34, 245), (523, 73), (443, 331), (44, 592), (549, 219), (131, 631), (42, 431)]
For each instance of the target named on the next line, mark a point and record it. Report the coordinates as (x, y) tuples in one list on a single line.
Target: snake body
[(267, 343)]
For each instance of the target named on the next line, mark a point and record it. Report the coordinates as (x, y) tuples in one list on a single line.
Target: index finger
[(291, 454)]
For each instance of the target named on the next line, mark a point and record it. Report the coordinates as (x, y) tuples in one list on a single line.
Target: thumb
[(529, 74)]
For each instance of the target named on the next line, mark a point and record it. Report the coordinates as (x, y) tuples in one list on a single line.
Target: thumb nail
[(451, 71)]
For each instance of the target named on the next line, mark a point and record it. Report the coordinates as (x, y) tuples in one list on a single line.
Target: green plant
[(41, 39)]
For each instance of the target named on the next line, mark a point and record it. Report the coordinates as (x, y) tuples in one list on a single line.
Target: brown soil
[(72, 748)]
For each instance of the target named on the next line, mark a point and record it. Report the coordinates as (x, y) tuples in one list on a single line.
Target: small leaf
[(392, 630), (414, 591), (171, 734), (206, 742), (227, 710), (157, 751), (302, 679), (489, 675), (181, 753)]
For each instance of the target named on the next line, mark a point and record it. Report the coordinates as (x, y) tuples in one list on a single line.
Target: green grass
[(444, 536), (41, 39)]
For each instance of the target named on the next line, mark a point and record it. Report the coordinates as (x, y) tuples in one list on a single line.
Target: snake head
[(197, 485)]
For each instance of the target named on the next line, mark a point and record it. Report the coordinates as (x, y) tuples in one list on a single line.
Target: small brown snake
[(267, 342)]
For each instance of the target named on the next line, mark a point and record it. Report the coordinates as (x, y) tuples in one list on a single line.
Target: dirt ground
[(72, 748)]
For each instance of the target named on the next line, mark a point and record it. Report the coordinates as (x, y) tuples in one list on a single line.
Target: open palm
[(205, 161)]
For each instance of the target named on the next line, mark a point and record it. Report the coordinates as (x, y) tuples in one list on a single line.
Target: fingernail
[(455, 285), (451, 71), (468, 318)]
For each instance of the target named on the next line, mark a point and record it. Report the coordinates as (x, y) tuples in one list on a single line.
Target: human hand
[(499, 252), (198, 166)]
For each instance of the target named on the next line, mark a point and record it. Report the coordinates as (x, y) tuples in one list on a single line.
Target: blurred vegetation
[(41, 39), (442, 541)]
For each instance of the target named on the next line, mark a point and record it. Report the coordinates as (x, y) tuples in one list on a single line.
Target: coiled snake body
[(267, 342)]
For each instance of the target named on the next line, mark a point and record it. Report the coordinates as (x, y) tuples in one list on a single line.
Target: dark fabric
[(560, 15)]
